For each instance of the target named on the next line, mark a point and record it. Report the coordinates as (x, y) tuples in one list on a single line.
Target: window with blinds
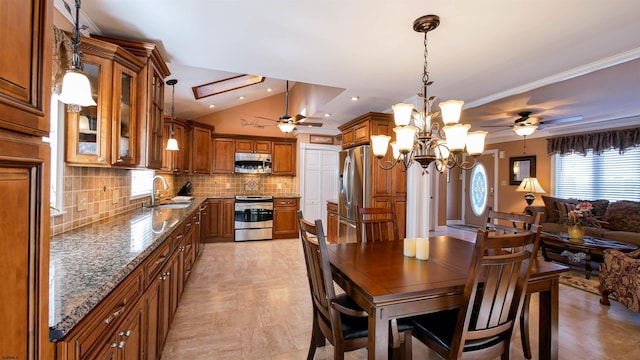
[(141, 183), (608, 176)]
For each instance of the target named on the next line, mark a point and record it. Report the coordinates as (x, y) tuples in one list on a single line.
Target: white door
[(480, 184), (319, 180)]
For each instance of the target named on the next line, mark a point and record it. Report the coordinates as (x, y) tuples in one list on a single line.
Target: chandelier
[(420, 140)]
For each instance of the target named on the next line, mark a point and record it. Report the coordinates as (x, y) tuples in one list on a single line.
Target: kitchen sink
[(170, 205)]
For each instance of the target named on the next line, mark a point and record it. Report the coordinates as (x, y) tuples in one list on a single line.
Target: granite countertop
[(87, 263)]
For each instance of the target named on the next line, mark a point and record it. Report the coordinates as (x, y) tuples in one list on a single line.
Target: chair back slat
[(507, 223), (376, 224)]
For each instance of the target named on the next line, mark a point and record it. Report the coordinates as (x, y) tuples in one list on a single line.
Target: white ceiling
[(484, 53)]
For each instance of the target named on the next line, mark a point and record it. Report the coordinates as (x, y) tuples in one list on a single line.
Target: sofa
[(621, 219)]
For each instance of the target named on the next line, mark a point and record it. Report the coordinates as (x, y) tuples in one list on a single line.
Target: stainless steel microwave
[(249, 163)]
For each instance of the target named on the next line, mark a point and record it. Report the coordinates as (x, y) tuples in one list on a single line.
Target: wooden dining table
[(389, 285)]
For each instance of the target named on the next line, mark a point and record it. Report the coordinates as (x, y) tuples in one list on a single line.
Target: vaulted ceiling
[(557, 59)]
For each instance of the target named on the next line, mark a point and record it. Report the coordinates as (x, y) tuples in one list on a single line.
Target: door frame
[(493, 152)]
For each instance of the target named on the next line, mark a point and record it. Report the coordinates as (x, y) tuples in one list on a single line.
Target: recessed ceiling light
[(355, 98), (269, 89), (211, 106), (327, 114), (241, 98)]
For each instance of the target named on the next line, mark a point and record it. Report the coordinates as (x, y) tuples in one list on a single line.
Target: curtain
[(617, 139)]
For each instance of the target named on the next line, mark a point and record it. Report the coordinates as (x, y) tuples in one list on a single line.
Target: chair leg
[(604, 300), (317, 339), (524, 327), (407, 349)]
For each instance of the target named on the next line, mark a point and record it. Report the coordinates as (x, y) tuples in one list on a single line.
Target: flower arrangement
[(582, 216)]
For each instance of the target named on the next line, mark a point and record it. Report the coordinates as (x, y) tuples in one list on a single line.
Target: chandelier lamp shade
[(531, 186), (420, 140), (172, 143), (76, 88)]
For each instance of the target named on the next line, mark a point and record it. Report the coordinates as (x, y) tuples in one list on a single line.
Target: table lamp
[(531, 186)]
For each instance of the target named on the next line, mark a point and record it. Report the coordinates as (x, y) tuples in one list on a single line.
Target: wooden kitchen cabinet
[(253, 146), (26, 34), (106, 134), (219, 220), (332, 222), (151, 88), (285, 217), (201, 149), (356, 135), (175, 162), (223, 155), (284, 158), (126, 342)]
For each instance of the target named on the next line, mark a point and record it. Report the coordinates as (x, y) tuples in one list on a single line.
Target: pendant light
[(172, 143), (76, 88)]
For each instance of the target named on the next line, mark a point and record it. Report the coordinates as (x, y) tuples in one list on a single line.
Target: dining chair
[(508, 223), (502, 223), (481, 328), (336, 317), (376, 224)]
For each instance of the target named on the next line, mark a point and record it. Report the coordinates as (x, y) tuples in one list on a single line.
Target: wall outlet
[(82, 201), (279, 186), (116, 195), (227, 186)]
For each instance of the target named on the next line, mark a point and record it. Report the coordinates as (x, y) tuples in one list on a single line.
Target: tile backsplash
[(92, 194)]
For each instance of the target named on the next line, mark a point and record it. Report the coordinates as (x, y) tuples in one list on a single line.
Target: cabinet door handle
[(121, 344), (115, 314), (179, 236), (160, 260), (119, 160)]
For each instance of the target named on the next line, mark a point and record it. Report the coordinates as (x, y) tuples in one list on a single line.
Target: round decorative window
[(478, 189)]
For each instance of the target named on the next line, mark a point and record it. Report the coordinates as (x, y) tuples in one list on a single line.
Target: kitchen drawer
[(155, 262), (96, 329), (285, 202)]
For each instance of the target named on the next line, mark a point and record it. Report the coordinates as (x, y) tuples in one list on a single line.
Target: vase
[(576, 231)]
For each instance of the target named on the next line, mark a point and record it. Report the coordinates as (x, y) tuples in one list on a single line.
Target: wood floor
[(251, 301)]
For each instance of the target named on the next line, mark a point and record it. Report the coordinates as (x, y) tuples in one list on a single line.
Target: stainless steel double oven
[(253, 217)]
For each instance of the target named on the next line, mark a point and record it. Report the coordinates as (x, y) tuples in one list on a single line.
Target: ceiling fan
[(526, 124), (286, 122)]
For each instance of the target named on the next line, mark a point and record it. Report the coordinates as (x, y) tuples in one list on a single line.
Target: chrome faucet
[(153, 188)]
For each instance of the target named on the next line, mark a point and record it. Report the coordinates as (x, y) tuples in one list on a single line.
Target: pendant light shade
[(76, 88)]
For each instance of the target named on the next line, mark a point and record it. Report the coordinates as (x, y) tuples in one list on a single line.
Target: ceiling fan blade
[(310, 124), (264, 118), (561, 120), (498, 126)]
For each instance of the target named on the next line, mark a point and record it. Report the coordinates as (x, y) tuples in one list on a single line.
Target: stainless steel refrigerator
[(355, 189)]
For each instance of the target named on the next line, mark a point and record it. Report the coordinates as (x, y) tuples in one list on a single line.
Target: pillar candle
[(422, 248), (410, 247)]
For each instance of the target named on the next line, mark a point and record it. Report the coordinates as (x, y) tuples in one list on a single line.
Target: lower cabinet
[(285, 218), (218, 220), (133, 321), (332, 222)]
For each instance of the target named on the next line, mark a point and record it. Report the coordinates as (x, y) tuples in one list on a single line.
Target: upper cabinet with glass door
[(105, 135)]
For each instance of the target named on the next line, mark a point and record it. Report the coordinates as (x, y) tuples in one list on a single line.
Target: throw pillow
[(623, 216), (599, 207), (563, 210), (550, 208)]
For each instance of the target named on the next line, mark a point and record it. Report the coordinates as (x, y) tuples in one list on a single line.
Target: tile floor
[(251, 301)]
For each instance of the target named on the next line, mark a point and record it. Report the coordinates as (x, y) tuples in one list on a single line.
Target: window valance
[(617, 139)]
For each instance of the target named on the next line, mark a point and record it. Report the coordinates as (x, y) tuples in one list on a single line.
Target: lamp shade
[(525, 130), (475, 142), (404, 137), (456, 136), (76, 89), (379, 145), (395, 151), (172, 144), (530, 185), (286, 127), (402, 113), (451, 111)]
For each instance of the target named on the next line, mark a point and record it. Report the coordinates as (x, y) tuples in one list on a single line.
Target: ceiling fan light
[(525, 130), (286, 127)]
